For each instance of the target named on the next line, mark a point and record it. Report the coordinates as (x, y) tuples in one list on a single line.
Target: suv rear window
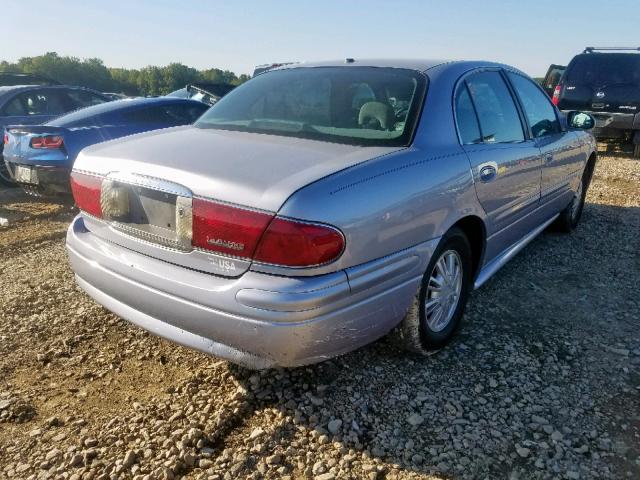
[(604, 69), (356, 105)]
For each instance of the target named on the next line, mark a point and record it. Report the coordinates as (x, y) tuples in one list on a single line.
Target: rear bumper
[(256, 320), (51, 179)]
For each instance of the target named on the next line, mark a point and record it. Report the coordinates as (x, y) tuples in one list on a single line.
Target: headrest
[(376, 115)]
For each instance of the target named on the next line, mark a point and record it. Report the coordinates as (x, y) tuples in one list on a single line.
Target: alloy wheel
[(443, 291)]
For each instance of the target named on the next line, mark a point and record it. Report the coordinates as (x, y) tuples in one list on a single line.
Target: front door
[(505, 162), (560, 150)]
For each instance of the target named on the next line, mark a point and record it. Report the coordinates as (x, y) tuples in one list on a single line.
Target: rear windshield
[(605, 69), (357, 105)]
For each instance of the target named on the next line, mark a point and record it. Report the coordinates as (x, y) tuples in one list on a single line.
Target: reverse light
[(86, 192), (49, 141), (556, 94)]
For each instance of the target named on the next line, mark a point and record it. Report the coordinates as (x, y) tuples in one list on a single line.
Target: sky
[(237, 35)]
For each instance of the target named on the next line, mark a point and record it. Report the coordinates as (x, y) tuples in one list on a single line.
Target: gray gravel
[(542, 382)]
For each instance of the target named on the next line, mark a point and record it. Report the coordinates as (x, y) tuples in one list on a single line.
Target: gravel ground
[(542, 382)]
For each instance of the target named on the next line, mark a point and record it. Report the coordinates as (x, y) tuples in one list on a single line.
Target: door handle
[(488, 172), (548, 157)]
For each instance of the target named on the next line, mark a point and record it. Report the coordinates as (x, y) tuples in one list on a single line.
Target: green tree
[(91, 72)]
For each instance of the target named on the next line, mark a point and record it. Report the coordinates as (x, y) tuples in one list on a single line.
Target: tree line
[(91, 72)]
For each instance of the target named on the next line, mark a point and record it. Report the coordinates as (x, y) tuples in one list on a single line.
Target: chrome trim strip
[(491, 268)]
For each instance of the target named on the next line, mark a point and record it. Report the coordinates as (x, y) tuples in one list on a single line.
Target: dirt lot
[(542, 382)]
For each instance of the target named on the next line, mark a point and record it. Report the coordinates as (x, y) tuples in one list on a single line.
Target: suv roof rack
[(593, 49)]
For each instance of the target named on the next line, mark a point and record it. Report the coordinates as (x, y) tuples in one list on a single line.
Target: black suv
[(606, 83)]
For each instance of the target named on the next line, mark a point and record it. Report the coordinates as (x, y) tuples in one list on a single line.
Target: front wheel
[(636, 150), (438, 307), (570, 216)]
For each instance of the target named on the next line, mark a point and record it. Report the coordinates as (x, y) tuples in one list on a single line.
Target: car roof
[(11, 89), (124, 105), (420, 65)]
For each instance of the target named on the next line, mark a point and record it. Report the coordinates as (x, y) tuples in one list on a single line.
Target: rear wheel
[(439, 305), (636, 150)]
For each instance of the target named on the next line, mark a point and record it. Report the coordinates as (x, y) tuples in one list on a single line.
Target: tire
[(420, 332), (636, 150), (570, 216)]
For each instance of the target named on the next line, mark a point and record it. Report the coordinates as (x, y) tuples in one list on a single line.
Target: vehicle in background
[(116, 96), (552, 78), (269, 66), (605, 81), (36, 104), (320, 206), (10, 79), (208, 93), (40, 157)]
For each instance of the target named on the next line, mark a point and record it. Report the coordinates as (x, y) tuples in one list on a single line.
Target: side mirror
[(580, 120)]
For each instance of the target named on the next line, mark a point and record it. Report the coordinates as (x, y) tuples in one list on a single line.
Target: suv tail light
[(556, 94), (50, 141), (6, 138), (86, 192)]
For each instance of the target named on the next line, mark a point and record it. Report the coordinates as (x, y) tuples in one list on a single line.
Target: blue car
[(36, 104), (40, 157)]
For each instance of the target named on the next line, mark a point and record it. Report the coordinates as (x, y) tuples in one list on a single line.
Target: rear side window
[(604, 70), (537, 107), (82, 98), (466, 118), (497, 113)]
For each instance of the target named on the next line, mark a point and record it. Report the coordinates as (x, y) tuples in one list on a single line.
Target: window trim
[(521, 104), (463, 80)]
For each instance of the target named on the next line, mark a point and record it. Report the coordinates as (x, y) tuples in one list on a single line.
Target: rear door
[(560, 150), (505, 162)]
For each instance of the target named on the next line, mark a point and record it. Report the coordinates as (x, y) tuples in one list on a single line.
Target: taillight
[(6, 138), (556, 94), (86, 192), (260, 236), (297, 244), (225, 229), (49, 141)]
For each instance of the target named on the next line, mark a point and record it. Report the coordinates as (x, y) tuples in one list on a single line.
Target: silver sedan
[(318, 207)]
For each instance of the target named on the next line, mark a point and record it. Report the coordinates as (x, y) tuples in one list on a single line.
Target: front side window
[(357, 105), (497, 113), (82, 98), (537, 107)]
